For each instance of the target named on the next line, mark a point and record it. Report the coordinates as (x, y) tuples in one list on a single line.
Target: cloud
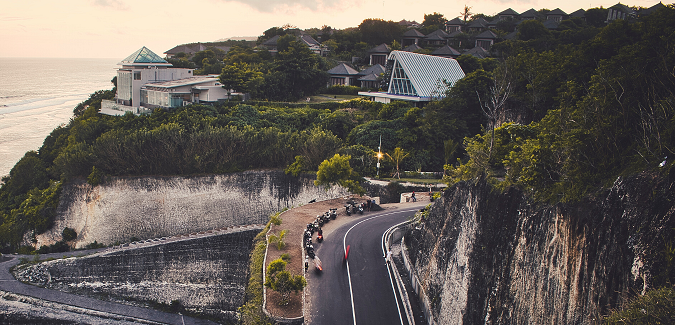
[(114, 4), (12, 18), (271, 6)]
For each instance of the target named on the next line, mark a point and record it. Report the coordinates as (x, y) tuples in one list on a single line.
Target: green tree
[(397, 157), (241, 77), (434, 21), (337, 171), (278, 240), (282, 281)]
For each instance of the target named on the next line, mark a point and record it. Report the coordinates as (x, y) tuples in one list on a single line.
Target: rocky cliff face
[(484, 257), (150, 207)]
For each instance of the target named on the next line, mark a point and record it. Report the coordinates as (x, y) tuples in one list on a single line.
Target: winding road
[(358, 290)]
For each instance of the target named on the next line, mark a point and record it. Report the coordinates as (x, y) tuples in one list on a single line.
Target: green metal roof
[(144, 57)]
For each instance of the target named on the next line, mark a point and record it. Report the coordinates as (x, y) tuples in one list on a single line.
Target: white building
[(418, 77), (146, 81)]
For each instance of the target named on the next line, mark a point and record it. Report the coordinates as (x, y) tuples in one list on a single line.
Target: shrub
[(69, 234), (343, 90)]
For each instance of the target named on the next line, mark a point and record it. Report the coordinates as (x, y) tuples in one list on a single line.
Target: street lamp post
[(379, 156)]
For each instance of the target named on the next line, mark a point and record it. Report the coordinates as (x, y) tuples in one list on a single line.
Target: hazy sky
[(117, 28)]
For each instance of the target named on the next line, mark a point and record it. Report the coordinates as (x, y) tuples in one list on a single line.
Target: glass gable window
[(400, 84)]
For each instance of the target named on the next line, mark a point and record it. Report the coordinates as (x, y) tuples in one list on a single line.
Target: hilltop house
[(302, 37), (146, 81), (191, 49), (418, 78)]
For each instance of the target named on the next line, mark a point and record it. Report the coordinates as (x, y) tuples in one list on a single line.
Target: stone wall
[(149, 207), (484, 257), (205, 274)]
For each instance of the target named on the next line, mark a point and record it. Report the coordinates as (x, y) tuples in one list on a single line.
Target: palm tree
[(396, 158)]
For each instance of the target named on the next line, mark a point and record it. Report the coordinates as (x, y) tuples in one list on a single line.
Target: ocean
[(39, 94)]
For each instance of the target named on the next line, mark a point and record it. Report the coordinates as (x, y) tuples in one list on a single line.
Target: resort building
[(418, 78), (146, 81)]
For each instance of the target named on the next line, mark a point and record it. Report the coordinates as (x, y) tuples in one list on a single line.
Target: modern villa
[(418, 78), (146, 81)]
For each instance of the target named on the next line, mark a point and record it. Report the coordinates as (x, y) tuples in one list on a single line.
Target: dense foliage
[(584, 113)]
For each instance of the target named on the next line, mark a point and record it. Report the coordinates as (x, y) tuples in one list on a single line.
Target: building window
[(337, 81), (137, 75), (400, 84)]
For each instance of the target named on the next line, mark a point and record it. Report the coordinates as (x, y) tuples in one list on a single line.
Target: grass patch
[(251, 312), (329, 98), (655, 307), (415, 180)]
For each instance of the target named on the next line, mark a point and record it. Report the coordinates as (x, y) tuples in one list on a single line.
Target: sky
[(117, 28)]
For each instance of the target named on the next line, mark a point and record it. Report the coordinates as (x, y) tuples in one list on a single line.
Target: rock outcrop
[(484, 257), (150, 207)]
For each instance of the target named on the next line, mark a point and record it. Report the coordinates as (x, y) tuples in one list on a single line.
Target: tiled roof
[(144, 57), (556, 12), (455, 21), (369, 77), (309, 39), (478, 23), (579, 13), (382, 48), (343, 69), (272, 41), (478, 52), (376, 69), (412, 48), (427, 73), (530, 14), (436, 35), (454, 34), (445, 51), (488, 34), (413, 33), (508, 12)]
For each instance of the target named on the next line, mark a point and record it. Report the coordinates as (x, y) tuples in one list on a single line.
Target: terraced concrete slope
[(205, 273)]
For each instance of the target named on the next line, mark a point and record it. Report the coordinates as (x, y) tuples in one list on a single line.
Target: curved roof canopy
[(421, 75), (144, 57)]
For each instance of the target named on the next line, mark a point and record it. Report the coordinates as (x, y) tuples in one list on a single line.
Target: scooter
[(310, 251), (317, 264)]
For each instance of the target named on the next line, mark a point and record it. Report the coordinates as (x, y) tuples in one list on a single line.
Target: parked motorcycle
[(319, 237), (333, 213), (326, 217), (360, 208), (319, 220), (348, 209)]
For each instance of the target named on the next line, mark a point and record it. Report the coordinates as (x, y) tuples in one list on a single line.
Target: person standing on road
[(413, 197)]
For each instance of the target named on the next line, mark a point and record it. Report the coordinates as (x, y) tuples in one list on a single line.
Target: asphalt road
[(374, 301)]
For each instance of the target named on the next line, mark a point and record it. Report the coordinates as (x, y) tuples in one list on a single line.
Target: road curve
[(374, 301)]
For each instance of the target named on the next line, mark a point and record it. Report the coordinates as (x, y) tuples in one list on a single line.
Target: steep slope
[(497, 258)]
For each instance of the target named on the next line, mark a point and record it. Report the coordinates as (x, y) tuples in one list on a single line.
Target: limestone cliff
[(151, 207), (484, 257)]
